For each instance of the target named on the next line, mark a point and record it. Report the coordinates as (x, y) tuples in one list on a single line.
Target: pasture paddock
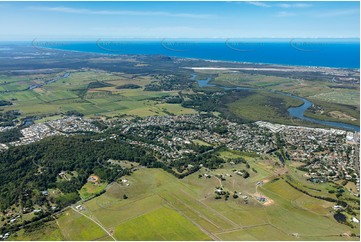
[(164, 205)]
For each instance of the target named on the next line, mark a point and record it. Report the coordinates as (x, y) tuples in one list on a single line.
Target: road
[(99, 224)]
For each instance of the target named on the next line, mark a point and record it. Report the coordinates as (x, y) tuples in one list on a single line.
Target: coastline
[(221, 61)]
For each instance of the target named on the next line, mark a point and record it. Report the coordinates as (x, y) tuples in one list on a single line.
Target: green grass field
[(200, 142), (162, 207), (161, 224), (48, 232), (346, 113), (74, 226), (73, 93), (248, 80), (90, 189)]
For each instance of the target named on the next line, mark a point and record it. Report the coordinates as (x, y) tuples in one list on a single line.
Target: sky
[(89, 20)]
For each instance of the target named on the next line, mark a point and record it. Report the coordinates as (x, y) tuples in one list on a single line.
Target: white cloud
[(260, 4), (294, 5), (120, 12)]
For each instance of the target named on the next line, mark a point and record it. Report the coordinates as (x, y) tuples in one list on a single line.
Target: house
[(220, 191), (79, 207), (337, 207), (355, 220)]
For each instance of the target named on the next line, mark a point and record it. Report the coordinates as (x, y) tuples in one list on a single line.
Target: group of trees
[(128, 86), (37, 166), (8, 118), (10, 135), (5, 103), (169, 83)]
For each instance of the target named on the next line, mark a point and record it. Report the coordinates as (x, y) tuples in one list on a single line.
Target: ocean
[(339, 53)]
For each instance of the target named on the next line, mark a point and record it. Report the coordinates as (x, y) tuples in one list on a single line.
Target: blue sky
[(88, 20)]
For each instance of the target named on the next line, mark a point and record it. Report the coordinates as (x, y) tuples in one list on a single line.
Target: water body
[(28, 121), (341, 53), (296, 112), (66, 75)]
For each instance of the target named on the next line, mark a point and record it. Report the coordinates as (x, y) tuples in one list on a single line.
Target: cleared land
[(88, 92), (90, 189), (161, 207), (161, 224)]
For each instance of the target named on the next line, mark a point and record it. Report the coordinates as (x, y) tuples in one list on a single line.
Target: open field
[(334, 111), (90, 189), (74, 226), (161, 207), (248, 80), (48, 232), (200, 142), (161, 224), (88, 92)]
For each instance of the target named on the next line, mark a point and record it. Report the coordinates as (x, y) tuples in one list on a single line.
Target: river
[(296, 112)]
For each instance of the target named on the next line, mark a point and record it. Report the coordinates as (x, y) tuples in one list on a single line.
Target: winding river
[(296, 112)]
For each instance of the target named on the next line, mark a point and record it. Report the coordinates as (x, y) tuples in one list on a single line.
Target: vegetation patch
[(91, 189), (128, 86)]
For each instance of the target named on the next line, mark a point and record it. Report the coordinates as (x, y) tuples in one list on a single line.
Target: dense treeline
[(7, 118), (169, 83), (10, 135), (216, 100), (98, 84), (37, 166), (74, 113), (128, 86), (5, 103)]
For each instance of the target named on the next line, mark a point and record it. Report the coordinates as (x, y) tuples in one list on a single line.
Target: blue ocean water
[(341, 53)]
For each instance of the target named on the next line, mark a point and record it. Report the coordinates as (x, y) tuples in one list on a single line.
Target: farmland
[(161, 207), (89, 92)]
